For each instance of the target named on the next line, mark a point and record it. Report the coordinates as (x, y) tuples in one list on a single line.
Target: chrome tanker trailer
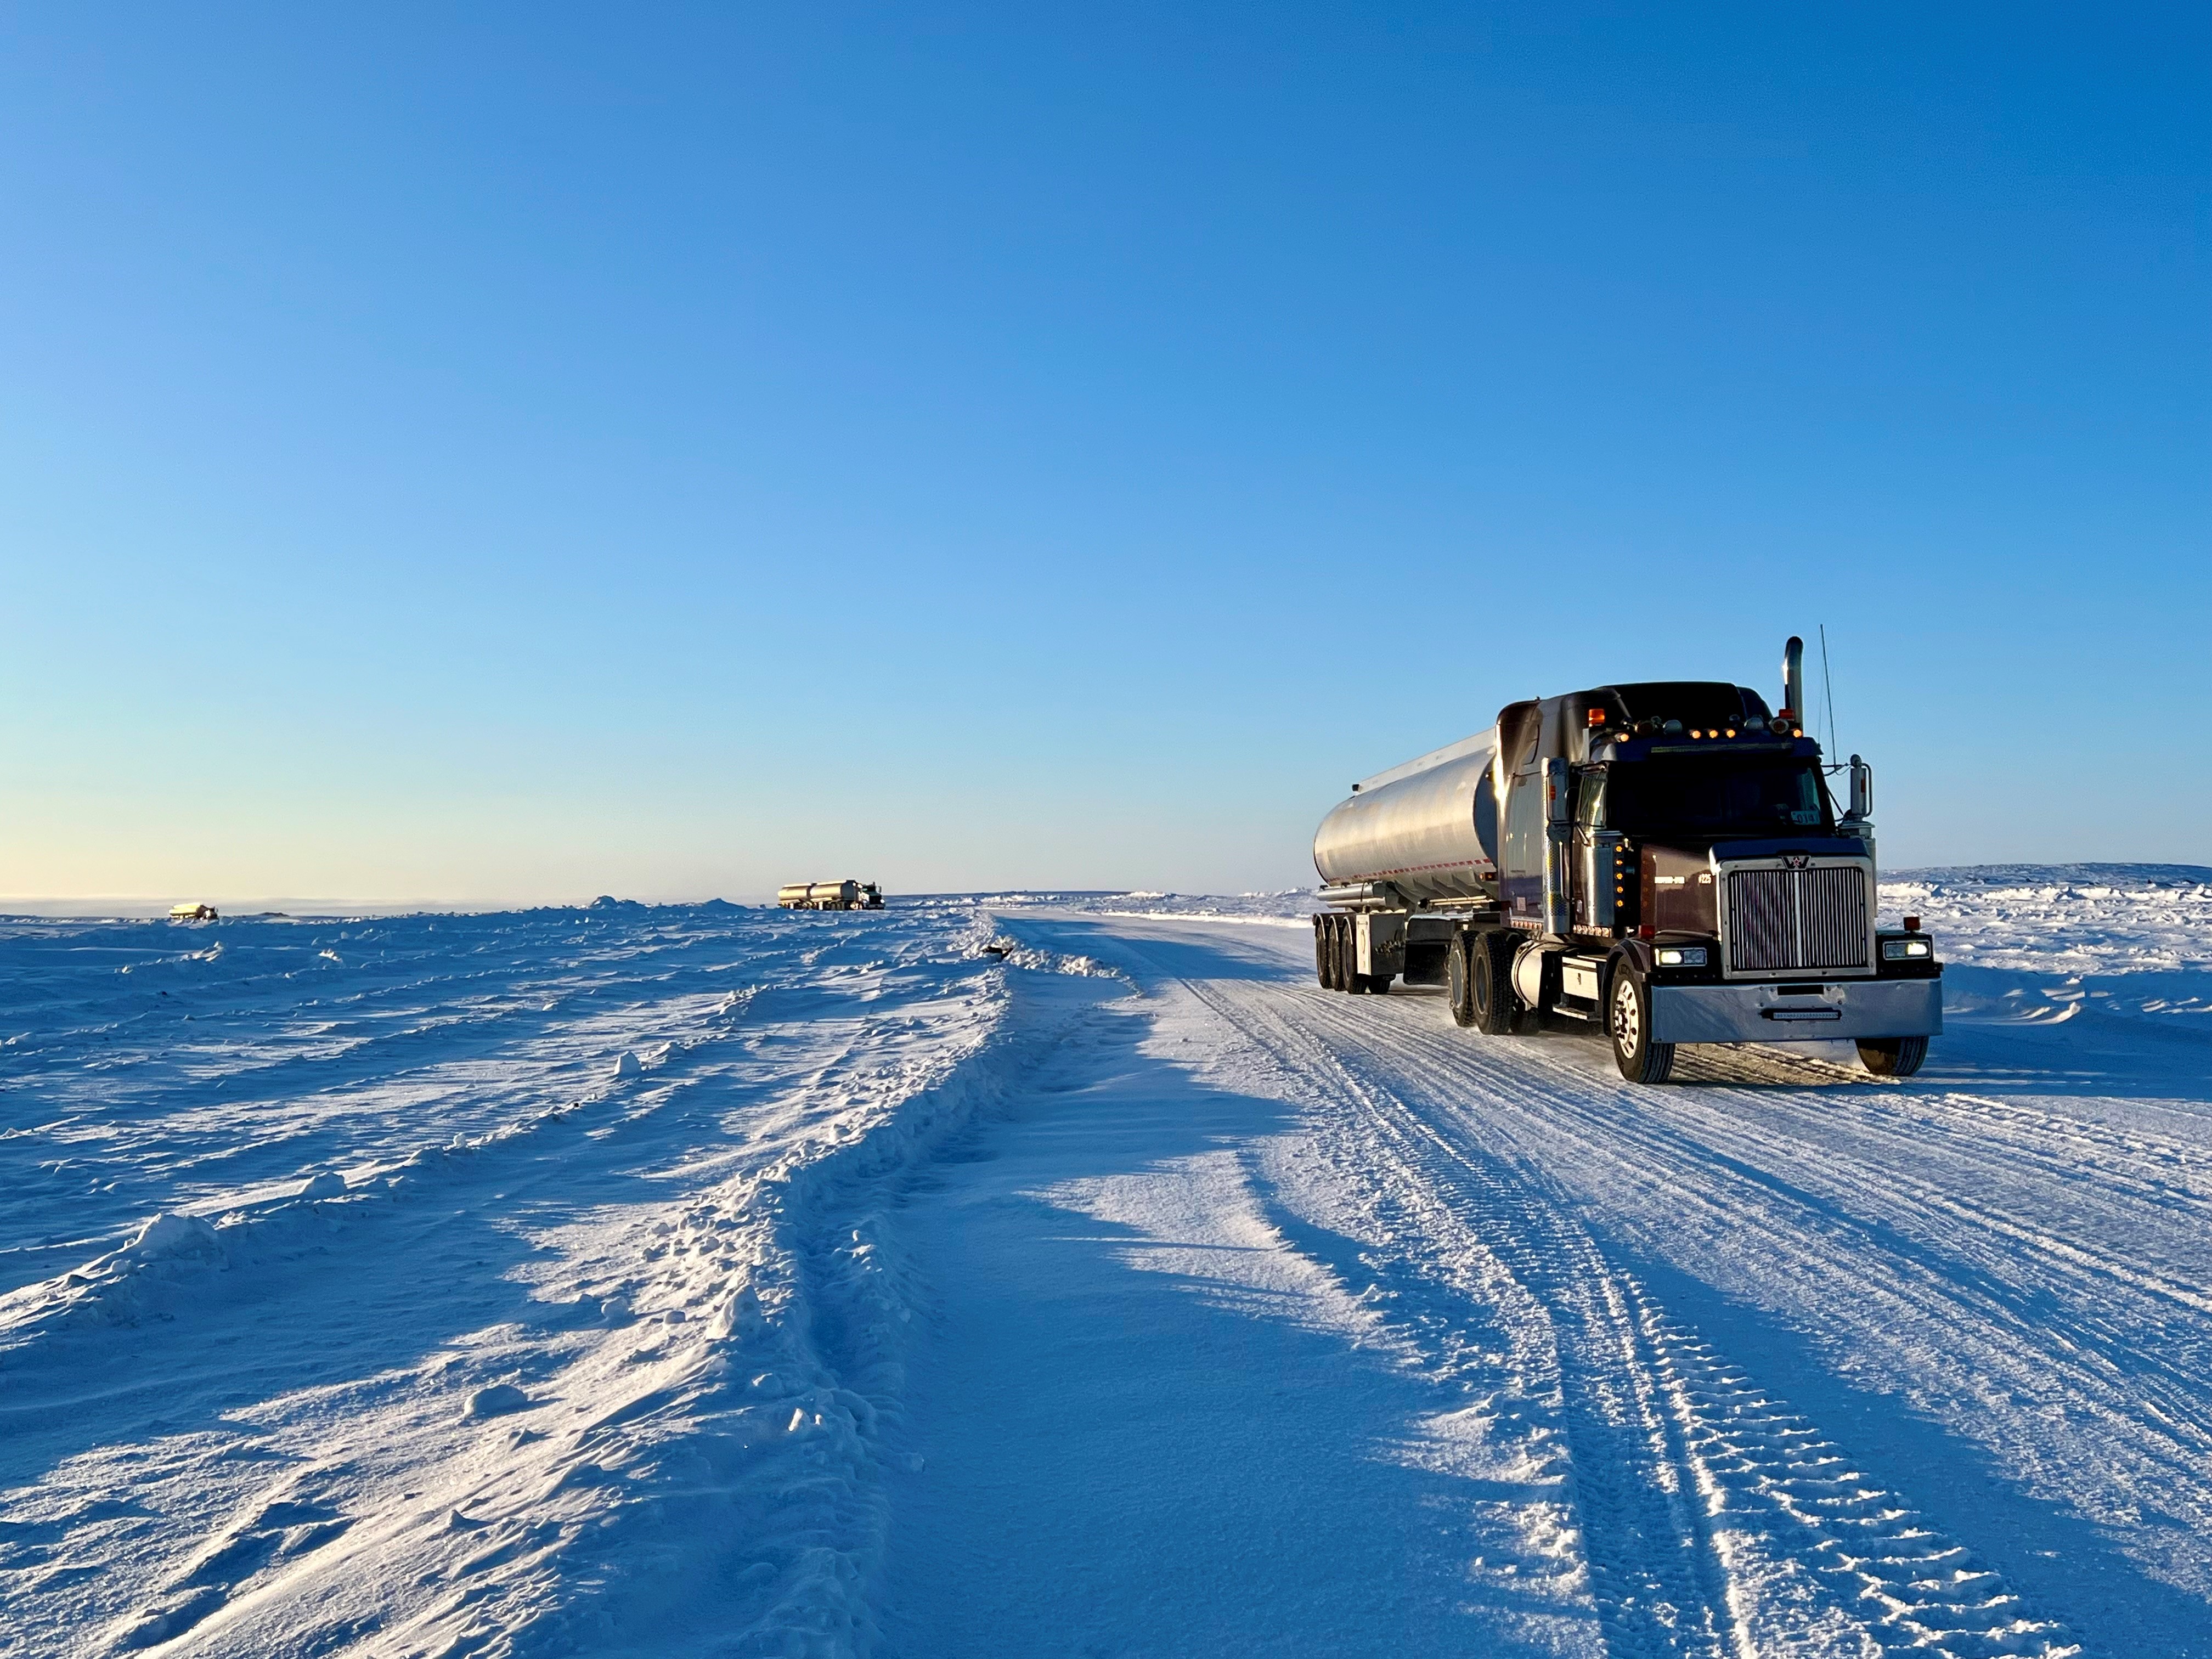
[(1662, 859), (830, 896)]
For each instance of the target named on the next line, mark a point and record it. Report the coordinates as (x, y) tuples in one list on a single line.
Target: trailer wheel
[(1320, 950), (1348, 973), (1893, 1056), (1340, 953), (1628, 1022), (1491, 998), (1458, 980)]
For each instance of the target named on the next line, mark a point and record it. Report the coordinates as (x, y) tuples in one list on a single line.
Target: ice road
[(1035, 1276)]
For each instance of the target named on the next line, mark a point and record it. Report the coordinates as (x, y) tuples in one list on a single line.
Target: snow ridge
[(659, 1423)]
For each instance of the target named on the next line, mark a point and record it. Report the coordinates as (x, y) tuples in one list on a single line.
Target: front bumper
[(1765, 1013)]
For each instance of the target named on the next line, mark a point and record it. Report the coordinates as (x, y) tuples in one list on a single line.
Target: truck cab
[(1675, 847), (1661, 859)]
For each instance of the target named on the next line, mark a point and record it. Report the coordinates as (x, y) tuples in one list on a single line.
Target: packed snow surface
[(1069, 1275)]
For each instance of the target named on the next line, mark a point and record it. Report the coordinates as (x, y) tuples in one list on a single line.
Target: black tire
[(1457, 979), (1628, 1024), (1492, 1008), (1893, 1056), (1358, 984), (1320, 950), (1347, 954)]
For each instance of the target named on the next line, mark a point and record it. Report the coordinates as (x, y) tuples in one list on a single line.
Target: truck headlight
[(1905, 949), (1682, 956)]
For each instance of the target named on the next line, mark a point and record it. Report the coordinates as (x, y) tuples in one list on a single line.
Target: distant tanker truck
[(1661, 859), (830, 896)]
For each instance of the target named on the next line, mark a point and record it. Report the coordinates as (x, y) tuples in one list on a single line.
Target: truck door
[(1600, 890), (1581, 876), (1521, 872), (1522, 876)]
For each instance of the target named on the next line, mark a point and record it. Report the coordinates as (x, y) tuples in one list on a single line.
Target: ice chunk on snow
[(627, 1067), (169, 1236), (329, 1184), (498, 1400)]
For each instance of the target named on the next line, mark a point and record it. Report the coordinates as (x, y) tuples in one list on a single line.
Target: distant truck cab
[(1661, 859), (830, 896), (193, 912)]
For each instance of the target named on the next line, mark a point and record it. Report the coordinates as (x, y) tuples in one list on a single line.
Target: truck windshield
[(1714, 795)]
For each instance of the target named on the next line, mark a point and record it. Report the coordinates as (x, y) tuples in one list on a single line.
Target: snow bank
[(642, 1406), (1291, 906), (2046, 942)]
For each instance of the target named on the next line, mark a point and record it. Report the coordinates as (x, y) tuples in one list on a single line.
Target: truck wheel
[(1320, 950), (1893, 1056), (1340, 953), (1357, 983), (1458, 980), (1492, 1008), (1628, 1021)]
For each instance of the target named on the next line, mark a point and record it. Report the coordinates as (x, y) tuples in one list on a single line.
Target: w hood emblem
[(1797, 860)]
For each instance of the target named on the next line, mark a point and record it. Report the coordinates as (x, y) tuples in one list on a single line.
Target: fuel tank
[(819, 894), (1428, 828)]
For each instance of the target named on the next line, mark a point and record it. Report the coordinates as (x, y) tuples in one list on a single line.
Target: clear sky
[(514, 452)]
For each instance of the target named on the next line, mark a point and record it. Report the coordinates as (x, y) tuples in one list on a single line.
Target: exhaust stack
[(1793, 680)]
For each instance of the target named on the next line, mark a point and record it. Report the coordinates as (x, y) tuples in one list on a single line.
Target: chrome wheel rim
[(1626, 1024)]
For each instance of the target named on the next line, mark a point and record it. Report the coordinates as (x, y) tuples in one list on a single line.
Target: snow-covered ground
[(1068, 1275)]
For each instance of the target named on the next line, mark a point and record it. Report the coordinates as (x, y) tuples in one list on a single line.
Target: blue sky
[(519, 452)]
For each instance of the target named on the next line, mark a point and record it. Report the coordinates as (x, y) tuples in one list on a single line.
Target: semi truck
[(1662, 860), (830, 896)]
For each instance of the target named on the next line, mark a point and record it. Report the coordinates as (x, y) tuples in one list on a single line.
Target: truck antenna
[(1827, 691)]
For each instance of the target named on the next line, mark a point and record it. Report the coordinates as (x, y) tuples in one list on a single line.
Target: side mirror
[(1861, 791)]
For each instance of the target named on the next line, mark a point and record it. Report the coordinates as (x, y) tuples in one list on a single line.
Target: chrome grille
[(1796, 919), (1831, 916), (1762, 919)]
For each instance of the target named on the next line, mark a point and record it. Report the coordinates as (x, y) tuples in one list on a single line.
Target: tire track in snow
[(1714, 1522), (1658, 1585), (2088, 1387)]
